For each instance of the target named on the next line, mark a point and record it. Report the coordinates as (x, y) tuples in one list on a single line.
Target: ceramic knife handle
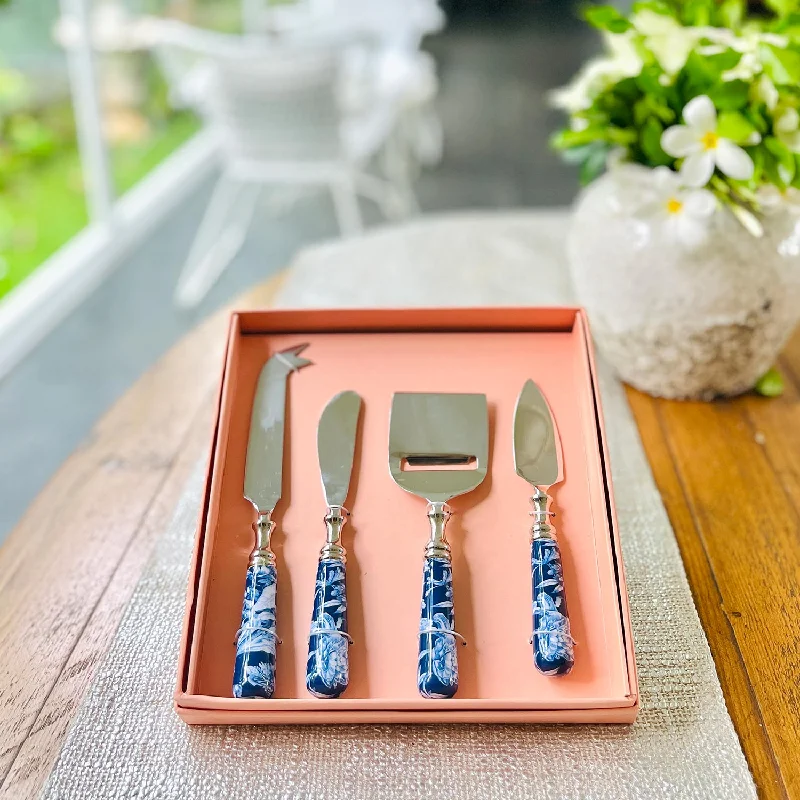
[(551, 639), (328, 668), (256, 640), (254, 669), (437, 666)]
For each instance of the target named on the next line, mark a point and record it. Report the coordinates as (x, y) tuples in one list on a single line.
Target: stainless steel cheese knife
[(538, 459), (451, 432), (327, 667), (254, 668)]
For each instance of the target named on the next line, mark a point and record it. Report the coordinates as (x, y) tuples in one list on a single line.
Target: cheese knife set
[(438, 449), (407, 517)]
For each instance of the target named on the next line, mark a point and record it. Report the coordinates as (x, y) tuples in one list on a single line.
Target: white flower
[(684, 212), (748, 67), (702, 148), (787, 129), (668, 40), (623, 53), (764, 90), (772, 199), (748, 43), (598, 74), (578, 95)]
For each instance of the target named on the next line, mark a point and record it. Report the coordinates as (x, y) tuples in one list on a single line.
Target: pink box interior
[(386, 535)]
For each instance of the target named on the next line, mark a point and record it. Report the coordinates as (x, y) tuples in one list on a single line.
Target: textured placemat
[(127, 741)]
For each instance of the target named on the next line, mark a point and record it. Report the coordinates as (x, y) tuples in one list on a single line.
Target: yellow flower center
[(709, 140), (674, 206)]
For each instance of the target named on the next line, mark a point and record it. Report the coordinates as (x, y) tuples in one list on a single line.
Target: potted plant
[(686, 251)]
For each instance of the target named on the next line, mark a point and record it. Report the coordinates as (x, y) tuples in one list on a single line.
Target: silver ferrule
[(438, 546), (335, 520), (541, 528), (262, 555)]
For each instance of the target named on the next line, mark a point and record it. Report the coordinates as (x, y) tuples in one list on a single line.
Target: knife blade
[(263, 477), (327, 666), (538, 459), (256, 639), (537, 448), (336, 445)]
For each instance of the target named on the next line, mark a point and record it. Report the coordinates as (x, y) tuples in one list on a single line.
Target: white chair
[(279, 119), (391, 66)]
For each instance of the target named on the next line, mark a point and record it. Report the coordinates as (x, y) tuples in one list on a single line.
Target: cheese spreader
[(254, 668), (438, 449), (538, 459), (327, 666)]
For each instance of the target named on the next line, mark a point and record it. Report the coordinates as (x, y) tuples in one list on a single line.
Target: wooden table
[(729, 474)]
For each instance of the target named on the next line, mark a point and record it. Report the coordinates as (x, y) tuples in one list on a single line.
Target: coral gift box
[(376, 353)]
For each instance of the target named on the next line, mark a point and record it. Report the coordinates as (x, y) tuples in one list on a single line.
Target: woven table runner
[(127, 741)]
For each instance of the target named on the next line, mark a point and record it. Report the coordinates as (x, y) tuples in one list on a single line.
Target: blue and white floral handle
[(553, 646), (328, 666), (256, 640), (437, 666)]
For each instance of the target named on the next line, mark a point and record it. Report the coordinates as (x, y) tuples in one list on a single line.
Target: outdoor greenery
[(43, 206), (703, 88), (42, 201), (41, 192)]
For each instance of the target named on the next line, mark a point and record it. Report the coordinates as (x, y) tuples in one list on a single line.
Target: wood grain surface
[(729, 474), (142, 450)]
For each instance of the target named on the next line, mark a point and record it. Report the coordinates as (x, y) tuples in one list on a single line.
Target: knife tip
[(291, 356)]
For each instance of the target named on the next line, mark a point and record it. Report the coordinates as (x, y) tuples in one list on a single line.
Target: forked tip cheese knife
[(254, 668)]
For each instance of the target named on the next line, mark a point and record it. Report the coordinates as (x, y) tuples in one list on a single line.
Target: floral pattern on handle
[(552, 641), (254, 670), (327, 668), (437, 669)]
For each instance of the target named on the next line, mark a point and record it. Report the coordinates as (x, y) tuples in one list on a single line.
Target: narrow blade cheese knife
[(254, 669), (537, 456), (327, 667)]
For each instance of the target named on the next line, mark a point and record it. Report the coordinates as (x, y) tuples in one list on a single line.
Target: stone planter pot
[(675, 320)]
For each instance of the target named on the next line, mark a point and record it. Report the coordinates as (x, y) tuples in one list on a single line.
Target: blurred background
[(158, 157)]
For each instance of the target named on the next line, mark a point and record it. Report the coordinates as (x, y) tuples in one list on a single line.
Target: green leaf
[(594, 164), (781, 64), (650, 142), (730, 95), (697, 12), (757, 155), (641, 112), (730, 13), (721, 62), (785, 158), (621, 136), (757, 118), (649, 106), (647, 80), (568, 138), (771, 171), (606, 18), (701, 73), (577, 155), (658, 6), (770, 384), (735, 126), (627, 89), (781, 7), (789, 26)]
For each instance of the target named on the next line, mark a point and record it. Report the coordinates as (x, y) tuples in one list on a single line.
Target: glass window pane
[(141, 126), (42, 201)]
